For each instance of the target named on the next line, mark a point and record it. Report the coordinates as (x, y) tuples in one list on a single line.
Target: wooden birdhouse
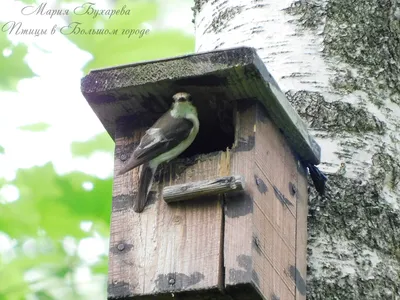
[(227, 219)]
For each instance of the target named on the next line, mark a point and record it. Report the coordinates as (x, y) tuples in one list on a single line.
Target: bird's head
[(182, 105)]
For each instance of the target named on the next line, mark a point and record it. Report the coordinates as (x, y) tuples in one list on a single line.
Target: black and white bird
[(172, 134)]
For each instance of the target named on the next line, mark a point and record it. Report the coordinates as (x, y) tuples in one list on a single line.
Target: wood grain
[(275, 216), (167, 248), (247, 245), (193, 190), (301, 234), (262, 247), (238, 257)]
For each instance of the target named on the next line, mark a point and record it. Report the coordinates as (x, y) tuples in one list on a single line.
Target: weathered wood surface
[(301, 193), (193, 190), (210, 77), (247, 245), (254, 249), (265, 229), (276, 210), (166, 248), (241, 281)]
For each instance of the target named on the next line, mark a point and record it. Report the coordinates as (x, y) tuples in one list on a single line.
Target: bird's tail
[(129, 166), (319, 179), (145, 182)]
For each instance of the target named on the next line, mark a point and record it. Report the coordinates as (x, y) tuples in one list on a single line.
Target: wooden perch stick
[(187, 191)]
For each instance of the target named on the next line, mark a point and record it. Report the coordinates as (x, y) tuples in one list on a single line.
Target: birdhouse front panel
[(166, 248)]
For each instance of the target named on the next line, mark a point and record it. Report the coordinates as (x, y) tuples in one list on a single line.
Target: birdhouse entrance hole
[(216, 131), (216, 118)]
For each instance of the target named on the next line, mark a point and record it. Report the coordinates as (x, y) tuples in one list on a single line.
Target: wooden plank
[(167, 249), (193, 190), (240, 278), (277, 162), (300, 272), (284, 116), (272, 249), (148, 87), (275, 210)]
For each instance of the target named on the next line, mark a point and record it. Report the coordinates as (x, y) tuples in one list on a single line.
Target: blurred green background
[(56, 161)]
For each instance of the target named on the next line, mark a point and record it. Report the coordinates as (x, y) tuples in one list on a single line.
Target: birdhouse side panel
[(277, 209), (261, 238), (301, 236)]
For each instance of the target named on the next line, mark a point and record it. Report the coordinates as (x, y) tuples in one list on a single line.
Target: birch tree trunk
[(338, 61)]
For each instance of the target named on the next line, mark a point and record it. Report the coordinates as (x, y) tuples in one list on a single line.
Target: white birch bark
[(339, 63)]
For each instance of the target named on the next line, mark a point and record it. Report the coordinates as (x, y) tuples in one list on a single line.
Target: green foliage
[(101, 142), (102, 266), (37, 127), (13, 68), (15, 287), (64, 199), (109, 50), (52, 207), (28, 1)]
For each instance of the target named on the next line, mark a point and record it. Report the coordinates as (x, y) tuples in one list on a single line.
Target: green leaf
[(28, 1), (43, 295), (52, 206), (13, 68), (101, 142), (55, 204), (101, 267), (38, 127), (103, 47), (51, 263), (13, 285)]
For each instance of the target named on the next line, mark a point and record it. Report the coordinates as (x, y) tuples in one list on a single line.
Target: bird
[(318, 178), (170, 135)]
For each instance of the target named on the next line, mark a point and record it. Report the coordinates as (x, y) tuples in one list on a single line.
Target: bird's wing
[(165, 134)]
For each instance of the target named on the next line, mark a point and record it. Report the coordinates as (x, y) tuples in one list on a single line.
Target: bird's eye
[(190, 98)]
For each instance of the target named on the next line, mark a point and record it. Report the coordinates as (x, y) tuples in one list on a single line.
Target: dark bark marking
[(275, 297), (245, 144), (300, 282), (125, 248), (122, 202), (177, 281), (281, 197), (239, 276), (238, 204), (118, 290), (256, 244), (292, 189), (261, 186)]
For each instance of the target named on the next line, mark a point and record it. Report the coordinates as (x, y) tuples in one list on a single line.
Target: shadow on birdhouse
[(238, 221)]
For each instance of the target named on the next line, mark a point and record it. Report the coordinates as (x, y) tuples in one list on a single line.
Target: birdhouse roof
[(222, 75)]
